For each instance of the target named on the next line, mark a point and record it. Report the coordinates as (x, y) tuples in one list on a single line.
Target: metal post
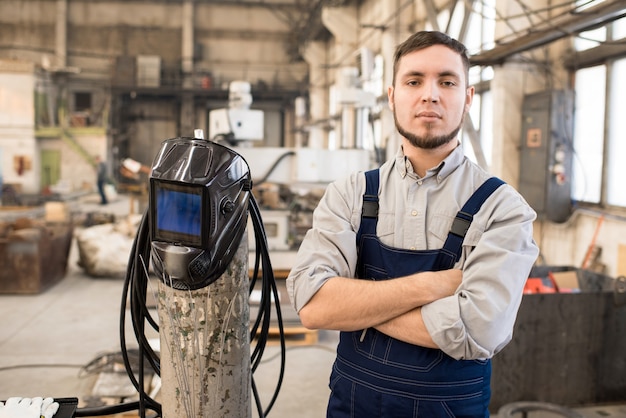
[(205, 345)]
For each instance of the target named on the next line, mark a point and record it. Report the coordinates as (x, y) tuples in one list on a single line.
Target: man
[(442, 268), (101, 179)]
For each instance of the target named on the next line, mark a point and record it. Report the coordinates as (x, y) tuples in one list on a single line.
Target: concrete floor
[(48, 340)]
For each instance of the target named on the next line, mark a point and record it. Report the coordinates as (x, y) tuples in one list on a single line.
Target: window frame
[(605, 54)]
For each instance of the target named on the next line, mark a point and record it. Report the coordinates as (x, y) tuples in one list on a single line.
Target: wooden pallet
[(294, 335)]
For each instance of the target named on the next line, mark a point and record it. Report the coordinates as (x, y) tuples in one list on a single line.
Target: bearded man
[(421, 263)]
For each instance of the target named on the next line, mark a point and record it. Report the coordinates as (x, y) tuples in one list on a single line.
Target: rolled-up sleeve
[(329, 247), (498, 253)]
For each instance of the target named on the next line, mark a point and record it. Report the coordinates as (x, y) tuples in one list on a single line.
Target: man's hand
[(38, 407), (444, 282), (410, 326)]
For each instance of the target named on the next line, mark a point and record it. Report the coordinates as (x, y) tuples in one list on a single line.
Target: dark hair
[(424, 39)]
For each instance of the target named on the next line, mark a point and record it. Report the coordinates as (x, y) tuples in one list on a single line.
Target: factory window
[(82, 101), (486, 119), (471, 23), (598, 121), (480, 114), (590, 39), (589, 134), (478, 34), (616, 171), (81, 113)]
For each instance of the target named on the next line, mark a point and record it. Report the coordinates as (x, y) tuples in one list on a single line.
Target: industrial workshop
[(192, 193)]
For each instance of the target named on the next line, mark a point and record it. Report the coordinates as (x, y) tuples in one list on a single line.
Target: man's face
[(430, 96)]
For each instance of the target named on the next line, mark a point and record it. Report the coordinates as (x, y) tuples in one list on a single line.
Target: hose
[(510, 409)]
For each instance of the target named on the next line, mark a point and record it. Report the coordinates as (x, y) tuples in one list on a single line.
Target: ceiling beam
[(431, 13), (568, 25), (595, 56)]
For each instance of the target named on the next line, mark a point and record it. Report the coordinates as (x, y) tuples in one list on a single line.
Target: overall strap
[(464, 217), (369, 214)]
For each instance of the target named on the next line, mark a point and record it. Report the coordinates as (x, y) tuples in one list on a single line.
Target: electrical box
[(546, 153)]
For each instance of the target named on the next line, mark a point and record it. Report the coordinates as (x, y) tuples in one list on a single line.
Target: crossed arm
[(392, 306), (468, 320)]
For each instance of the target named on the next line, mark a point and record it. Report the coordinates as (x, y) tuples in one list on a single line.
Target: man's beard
[(427, 141)]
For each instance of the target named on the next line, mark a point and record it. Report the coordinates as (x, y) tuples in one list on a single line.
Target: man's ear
[(469, 98), (390, 97)]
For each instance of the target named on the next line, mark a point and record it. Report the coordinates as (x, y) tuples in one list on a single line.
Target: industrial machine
[(289, 180), (238, 122)]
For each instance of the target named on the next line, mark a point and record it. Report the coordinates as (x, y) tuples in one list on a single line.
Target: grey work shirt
[(416, 213)]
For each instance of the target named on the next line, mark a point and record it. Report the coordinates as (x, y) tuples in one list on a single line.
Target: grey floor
[(49, 341)]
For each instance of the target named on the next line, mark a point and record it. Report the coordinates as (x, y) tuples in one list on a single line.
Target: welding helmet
[(199, 194)]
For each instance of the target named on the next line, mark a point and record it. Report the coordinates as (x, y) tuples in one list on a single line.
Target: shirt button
[(412, 248), (413, 213), (419, 182)]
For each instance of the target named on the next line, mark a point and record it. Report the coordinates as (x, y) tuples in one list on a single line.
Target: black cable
[(269, 289), (137, 283), (132, 290), (273, 167), (108, 410), (135, 292)]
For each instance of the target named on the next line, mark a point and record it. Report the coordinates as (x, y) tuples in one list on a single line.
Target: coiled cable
[(135, 291)]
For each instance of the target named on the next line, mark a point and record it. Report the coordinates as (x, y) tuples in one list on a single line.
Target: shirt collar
[(442, 170)]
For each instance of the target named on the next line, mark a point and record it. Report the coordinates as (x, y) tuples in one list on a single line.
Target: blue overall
[(378, 376)]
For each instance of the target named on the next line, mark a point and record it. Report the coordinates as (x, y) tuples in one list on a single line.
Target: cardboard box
[(566, 281), (621, 260)]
